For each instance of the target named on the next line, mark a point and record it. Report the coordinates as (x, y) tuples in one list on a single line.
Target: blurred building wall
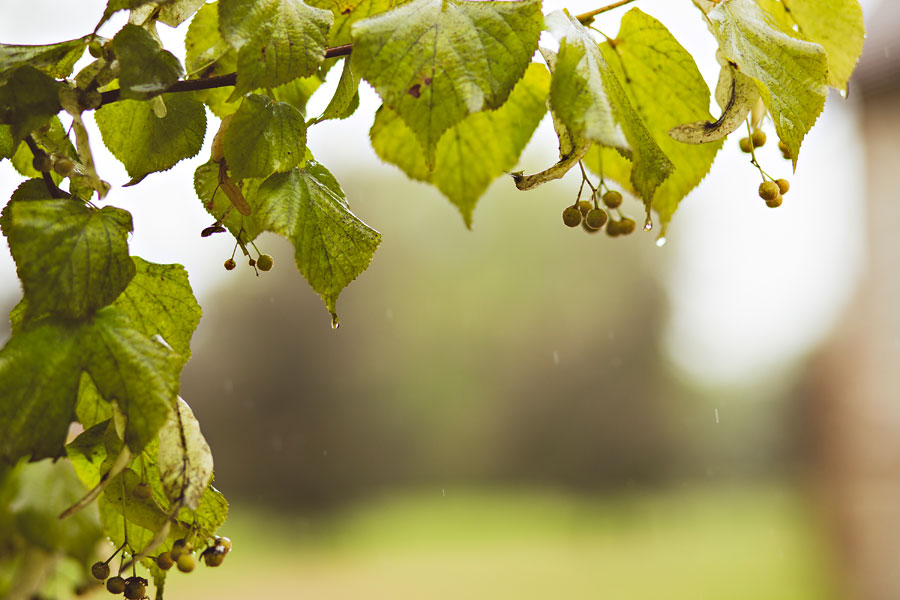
[(857, 405)]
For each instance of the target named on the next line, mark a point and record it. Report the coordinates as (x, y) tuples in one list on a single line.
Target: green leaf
[(346, 97), (473, 152), (146, 143), (45, 489), (436, 61), (203, 44), (87, 452), (71, 259), (29, 98), (206, 182), (789, 73), (185, 461), (298, 92), (332, 246), (56, 60), (91, 408), (348, 12), (264, 137), (590, 101), (145, 69), (159, 301), (139, 373), (39, 371), (277, 40), (7, 145), (835, 24), (666, 88), (211, 512), (143, 517)]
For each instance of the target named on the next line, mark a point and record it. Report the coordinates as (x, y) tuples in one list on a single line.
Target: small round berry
[(588, 228), (774, 202), (164, 561), (115, 585), (64, 166), (224, 542), (571, 216), (613, 228), (265, 262), (186, 563), (96, 49), (627, 225), (612, 199), (768, 190), (252, 262), (783, 185), (596, 218), (584, 206), (142, 491), (179, 547), (758, 138), (214, 555), (42, 162), (230, 264), (746, 145), (135, 587), (100, 570)]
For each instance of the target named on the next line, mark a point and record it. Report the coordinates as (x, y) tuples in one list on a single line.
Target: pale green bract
[(789, 73), (666, 88), (589, 100), (185, 462), (436, 61), (475, 151)]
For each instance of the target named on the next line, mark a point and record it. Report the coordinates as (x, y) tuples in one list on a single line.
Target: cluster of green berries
[(757, 139), (263, 263), (592, 218), (181, 556), (134, 588), (772, 191), (62, 165)]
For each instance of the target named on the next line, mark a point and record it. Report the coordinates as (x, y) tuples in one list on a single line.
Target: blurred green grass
[(723, 543)]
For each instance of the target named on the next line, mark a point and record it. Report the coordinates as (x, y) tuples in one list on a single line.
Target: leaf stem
[(217, 81), (588, 17)]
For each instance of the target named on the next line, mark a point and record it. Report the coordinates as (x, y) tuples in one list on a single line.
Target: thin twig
[(588, 17), (208, 83), (55, 192)]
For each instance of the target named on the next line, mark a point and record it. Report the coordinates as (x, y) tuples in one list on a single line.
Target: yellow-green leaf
[(436, 61), (666, 88), (475, 151)]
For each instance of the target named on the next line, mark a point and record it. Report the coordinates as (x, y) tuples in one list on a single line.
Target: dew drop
[(335, 323), (648, 224), (661, 241)]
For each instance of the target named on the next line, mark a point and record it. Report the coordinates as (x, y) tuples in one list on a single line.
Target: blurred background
[(527, 411)]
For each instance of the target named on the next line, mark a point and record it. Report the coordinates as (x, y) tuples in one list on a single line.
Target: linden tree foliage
[(90, 374)]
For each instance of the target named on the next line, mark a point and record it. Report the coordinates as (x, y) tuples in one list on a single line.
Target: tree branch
[(588, 17), (208, 83)]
